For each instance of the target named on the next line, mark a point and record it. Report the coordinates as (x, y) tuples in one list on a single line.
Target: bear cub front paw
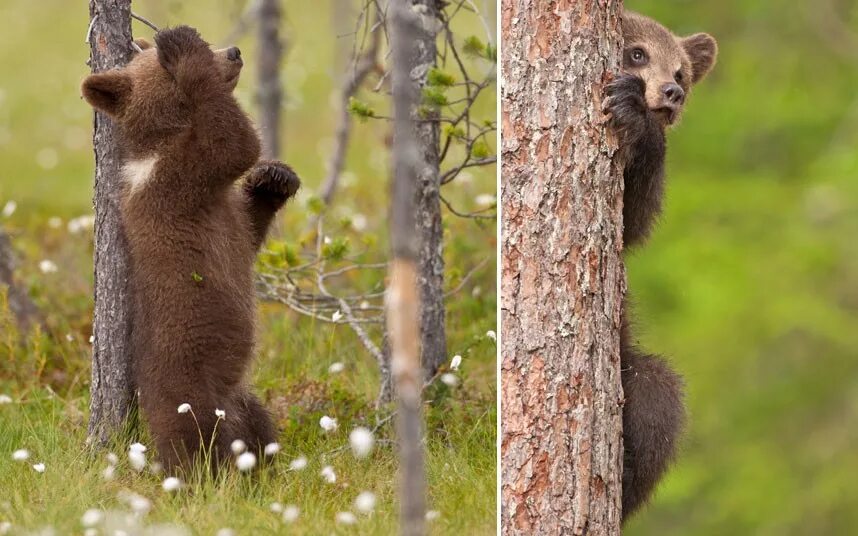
[(272, 179), (625, 102)]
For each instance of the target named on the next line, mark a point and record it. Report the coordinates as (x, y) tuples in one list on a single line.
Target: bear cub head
[(152, 98), (669, 65)]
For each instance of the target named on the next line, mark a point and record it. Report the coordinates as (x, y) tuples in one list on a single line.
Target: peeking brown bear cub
[(193, 237), (659, 71)]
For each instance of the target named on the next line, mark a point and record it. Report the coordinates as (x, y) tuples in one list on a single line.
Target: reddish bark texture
[(562, 281)]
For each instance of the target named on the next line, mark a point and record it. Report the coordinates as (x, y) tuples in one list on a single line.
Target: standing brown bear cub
[(659, 71), (193, 237)]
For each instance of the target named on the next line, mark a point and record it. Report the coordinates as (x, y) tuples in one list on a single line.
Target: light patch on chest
[(138, 172)]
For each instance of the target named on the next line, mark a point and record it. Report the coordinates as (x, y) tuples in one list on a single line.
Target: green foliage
[(480, 149), (196, 277), (335, 249), (360, 109), (437, 77), (474, 46), (434, 96)]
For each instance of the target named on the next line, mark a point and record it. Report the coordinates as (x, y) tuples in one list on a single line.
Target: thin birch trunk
[(112, 386), (270, 92), (562, 280), (403, 296), (20, 305)]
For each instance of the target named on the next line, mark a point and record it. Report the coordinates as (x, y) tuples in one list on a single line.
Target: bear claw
[(273, 178)]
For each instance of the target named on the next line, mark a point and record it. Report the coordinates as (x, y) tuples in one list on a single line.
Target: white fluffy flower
[(21, 455), (272, 448), (290, 513), (336, 316), (492, 335), (432, 515), (171, 483), (5, 527), (9, 208), (47, 266), (238, 446), (184, 408), (456, 362), (112, 458), (298, 463), (365, 502), (138, 503), (137, 460), (336, 368), (485, 199), (361, 440), (245, 461), (276, 507), (220, 414), (39, 467), (450, 379), (81, 223), (359, 222), (108, 472), (328, 424), (328, 474), (91, 517), (364, 305), (137, 447), (225, 532), (155, 468), (5, 399), (346, 518)]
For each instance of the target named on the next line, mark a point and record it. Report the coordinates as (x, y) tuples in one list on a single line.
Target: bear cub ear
[(702, 50), (142, 43), (108, 91), (175, 43)]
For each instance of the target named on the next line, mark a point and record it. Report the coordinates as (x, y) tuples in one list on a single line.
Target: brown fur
[(193, 238), (659, 71)]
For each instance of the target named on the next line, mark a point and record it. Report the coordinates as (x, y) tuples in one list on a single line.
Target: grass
[(47, 170)]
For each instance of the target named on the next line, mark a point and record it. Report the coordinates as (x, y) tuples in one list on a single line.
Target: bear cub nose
[(674, 93), (233, 53)]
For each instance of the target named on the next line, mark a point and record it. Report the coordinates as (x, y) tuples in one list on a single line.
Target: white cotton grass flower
[(48, 266), (346, 518), (155, 468), (39, 467), (328, 424), (449, 379), (226, 531), (108, 473), (298, 464), (361, 441), (327, 239), (432, 515), (137, 447), (336, 368), (171, 483), (485, 200), (21, 455), (5, 399), (184, 408), (271, 449), (328, 474), (112, 458), (237, 446), (81, 223), (456, 362), (336, 316), (245, 461), (492, 335), (5, 527), (276, 507), (290, 513), (365, 502), (139, 504), (137, 460), (91, 517), (9, 208), (359, 223), (220, 414)]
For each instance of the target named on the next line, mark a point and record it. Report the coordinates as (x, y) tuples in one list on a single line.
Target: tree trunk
[(270, 93), (20, 305), (112, 387), (428, 200), (403, 296), (562, 281)]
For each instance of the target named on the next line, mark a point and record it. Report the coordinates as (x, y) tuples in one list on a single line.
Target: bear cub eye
[(637, 57), (678, 77)]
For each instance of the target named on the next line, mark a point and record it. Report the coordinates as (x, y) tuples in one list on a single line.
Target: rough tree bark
[(428, 198), (403, 297), (562, 280), (269, 93), (19, 302), (112, 386)]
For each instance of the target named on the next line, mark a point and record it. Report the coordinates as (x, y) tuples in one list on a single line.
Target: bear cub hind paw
[(272, 179)]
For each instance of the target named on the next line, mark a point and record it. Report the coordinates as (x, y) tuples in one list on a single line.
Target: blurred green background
[(750, 283), (46, 172)]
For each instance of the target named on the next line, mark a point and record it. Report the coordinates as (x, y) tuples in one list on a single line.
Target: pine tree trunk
[(428, 201), (269, 93), (112, 386), (403, 296), (562, 281)]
